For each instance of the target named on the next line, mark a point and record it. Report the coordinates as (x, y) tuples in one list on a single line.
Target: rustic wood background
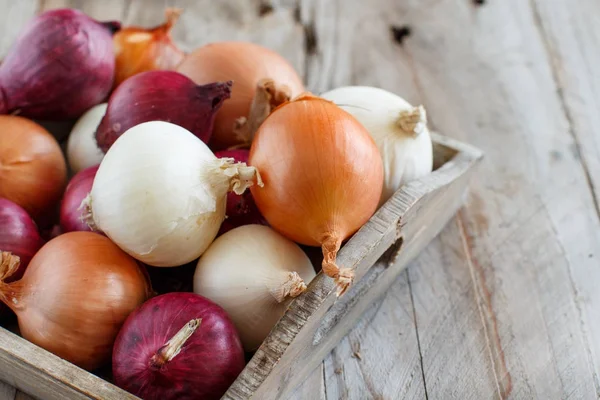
[(504, 303)]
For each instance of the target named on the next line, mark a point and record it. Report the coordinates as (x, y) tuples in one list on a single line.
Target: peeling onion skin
[(322, 176), (33, 171), (208, 363), (71, 212), (74, 296), (246, 64), (61, 65)]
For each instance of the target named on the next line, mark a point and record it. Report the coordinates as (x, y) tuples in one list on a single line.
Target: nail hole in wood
[(265, 9), (479, 2), (400, 33)]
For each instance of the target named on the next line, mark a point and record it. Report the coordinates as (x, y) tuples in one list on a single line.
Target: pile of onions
[(241, 209), (139, 49), (160, 193), (76, 293), (322, 176), (19, 236), (71, 212), (82, 149), (253, 272), (177, 346), (249, 66), (33, 172), (399, 130), (61, 65), (162, 96)]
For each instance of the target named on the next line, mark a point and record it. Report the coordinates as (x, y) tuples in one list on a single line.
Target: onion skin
[(61, 65), (71, 213), (33, 171), (209, 360), (241, 209), (139, 49), (18, 235), (322, 176), (82, 149), (162, 96), (75, 295), (246, 64)]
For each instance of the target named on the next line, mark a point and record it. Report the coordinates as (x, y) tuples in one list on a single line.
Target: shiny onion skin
[(162, 96), (33, 171), (210, 356), (241, 209), (322, 176), (139, 49), (79, 187), (76, 293), (18, 235), (61, 65), (247, 64)]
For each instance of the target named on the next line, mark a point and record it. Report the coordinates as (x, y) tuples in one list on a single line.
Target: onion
[(322, 176), (82, 149), (241, 209), (160, 193), (33, 172), (19, 236), (138, 49), (61, 65), (253, 272), (75, 295), (399, 130), (162, 96), (177, 346), (71, 212), (249, 66)]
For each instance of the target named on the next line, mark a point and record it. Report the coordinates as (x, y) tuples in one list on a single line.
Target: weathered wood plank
[(485, 77), (7, 392)]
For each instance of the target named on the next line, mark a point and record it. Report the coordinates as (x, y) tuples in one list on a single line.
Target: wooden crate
[(314, 321)]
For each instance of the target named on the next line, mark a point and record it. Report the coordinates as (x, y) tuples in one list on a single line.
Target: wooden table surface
[(505, 302)]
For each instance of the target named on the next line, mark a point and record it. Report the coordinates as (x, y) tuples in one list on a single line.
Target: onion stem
[(413, 121), (9, 264), (268, 97), (86, 214), (343, 277), (294, 286), (170, 349)]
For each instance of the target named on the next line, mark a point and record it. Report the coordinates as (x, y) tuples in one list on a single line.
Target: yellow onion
[(139, 49)]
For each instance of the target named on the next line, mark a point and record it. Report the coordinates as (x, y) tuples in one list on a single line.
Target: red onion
[(162, 96), (61, 65), (241, 209), (18, 236), (77, 189), (177, 346)]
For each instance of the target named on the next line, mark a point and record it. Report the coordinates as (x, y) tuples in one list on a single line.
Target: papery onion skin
[(61, 65), (162, 96), (71, 212), (160, 193), (399, 130), (246, 64), (207, 364), (75, 295), (82, 150), (139, 49), (33, 171), (18, 235), (241, 209), (252, 272), (322, 176)]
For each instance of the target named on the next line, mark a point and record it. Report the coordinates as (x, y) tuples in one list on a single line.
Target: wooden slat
[(530, 223)]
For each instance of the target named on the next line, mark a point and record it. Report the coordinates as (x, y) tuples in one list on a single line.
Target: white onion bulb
[(253, 272), (399, 129), (82, 150), (160, 193)]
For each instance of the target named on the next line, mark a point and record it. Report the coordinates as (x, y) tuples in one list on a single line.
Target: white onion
[(399, 129), (253, 272), (160, 193), (82, 150)]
